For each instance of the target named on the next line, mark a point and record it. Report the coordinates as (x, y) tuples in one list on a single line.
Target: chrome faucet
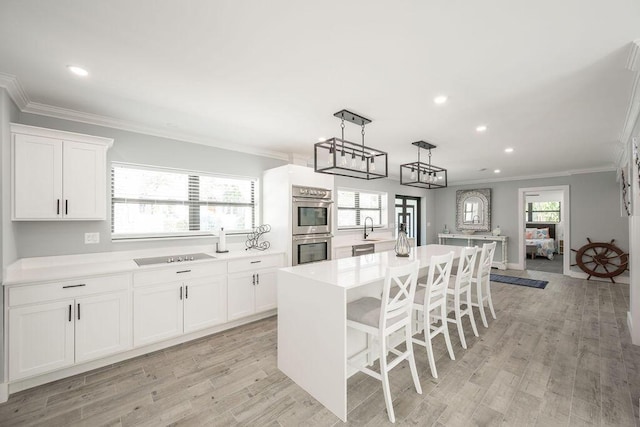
[(365, 226)]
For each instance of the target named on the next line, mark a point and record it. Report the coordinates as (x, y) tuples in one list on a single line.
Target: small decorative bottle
[(446, 230), (403, 249), (496, 231)]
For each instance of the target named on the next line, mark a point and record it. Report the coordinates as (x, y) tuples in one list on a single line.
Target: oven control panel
[(311, 192)]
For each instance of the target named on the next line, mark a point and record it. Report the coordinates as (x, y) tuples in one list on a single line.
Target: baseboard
[(513, 266), (581, 275), (4, 392)]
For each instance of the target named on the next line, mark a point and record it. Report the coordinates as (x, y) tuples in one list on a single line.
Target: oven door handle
[(312, 202), (307, 239)]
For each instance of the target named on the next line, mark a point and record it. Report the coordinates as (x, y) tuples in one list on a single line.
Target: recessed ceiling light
[(78, 71), (496, 171), (508, 150), (440, 99), (322, 139), (481, 128)]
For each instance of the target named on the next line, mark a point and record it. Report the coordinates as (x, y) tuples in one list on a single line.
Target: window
[(543, 212), (157, 202), (354, 206)]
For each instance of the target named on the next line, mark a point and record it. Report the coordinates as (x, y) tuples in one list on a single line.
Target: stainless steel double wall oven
[(312, 212)]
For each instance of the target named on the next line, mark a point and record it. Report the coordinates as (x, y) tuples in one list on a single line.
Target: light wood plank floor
[(555, 357)]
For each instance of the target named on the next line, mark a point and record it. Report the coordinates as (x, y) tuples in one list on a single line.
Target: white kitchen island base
[(313, 342)]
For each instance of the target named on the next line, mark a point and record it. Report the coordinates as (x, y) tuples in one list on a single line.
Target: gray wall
[(63, 238), (595, 209), (393, 188)]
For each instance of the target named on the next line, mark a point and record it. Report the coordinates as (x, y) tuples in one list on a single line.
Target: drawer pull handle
[(254, 280), (69, 312), (58, 207), (255, 262), (186, 292), (180, 292), (74, 286), (257, 278), (78, 311), (66, 207), (183, 271)]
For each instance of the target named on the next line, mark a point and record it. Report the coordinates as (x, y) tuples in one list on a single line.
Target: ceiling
[(548, 78)]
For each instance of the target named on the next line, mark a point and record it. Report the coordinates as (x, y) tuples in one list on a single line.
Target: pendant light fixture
[(423, 175), (337, 156)]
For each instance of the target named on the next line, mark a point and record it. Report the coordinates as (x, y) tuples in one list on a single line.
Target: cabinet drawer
[(254, 263), (28, 294), (178, 272)]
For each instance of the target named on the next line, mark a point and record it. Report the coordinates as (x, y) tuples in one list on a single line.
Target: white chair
[(381, 318), (459, 292), (433, 296), (482, 281)]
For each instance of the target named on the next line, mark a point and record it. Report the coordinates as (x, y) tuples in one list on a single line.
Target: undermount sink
[(373, 240)]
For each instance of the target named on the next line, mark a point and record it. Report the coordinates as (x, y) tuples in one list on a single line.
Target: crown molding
[(109, 122), (21, 99), (15, 89), (538, 176)]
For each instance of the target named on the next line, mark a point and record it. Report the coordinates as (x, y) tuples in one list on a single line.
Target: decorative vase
[(496, 231), (403, 249), (446, 230)]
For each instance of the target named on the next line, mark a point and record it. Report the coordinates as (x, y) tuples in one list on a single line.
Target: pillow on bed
[(530, 233), (542, 233)]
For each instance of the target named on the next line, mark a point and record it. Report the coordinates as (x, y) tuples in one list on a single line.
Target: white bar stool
[(381, 318), (482, 281), (460, 290), (430, 297)]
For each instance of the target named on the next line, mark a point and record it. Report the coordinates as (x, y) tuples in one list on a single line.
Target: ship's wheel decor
[(253, 238), (600, 259)]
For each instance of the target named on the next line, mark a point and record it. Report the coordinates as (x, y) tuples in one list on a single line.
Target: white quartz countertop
[(357, 271), (45, 269)]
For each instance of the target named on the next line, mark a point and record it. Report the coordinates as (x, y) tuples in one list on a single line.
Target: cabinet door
[(40, 338), (205, 302), (37, 174), (241, 295), (157, 313), (84, 180), (103, 325), (266, 290)]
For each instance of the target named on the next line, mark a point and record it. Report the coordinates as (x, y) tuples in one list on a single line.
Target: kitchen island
[(313, 340)]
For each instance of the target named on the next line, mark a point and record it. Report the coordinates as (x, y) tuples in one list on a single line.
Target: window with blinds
[(155, 202), (354, 206)]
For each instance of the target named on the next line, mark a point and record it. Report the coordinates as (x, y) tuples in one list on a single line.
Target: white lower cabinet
[(168, 310), (103, 325), (252, 286), (40, 338), (45, 336)]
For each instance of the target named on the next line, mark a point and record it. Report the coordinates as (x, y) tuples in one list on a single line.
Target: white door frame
[(565, 214)]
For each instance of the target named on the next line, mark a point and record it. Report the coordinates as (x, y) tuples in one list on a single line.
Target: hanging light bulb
[(330, 157), (413, 174), (372, 166), (363, 163), (343, 158), (354, 162)]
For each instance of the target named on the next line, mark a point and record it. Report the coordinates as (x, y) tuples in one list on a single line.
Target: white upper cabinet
[(58, 175)]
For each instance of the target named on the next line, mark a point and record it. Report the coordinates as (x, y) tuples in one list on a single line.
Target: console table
[(473, 239)]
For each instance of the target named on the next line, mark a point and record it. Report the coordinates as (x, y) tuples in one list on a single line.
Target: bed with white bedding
[(542, 236)]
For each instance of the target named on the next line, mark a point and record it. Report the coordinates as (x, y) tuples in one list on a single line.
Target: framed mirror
[(473, 210)]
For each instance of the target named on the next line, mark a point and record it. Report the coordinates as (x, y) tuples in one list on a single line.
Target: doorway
[(544, 209), (408, 212)]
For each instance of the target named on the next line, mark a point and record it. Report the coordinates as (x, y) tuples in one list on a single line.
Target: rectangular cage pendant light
[(423, 175), (337, 156)]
